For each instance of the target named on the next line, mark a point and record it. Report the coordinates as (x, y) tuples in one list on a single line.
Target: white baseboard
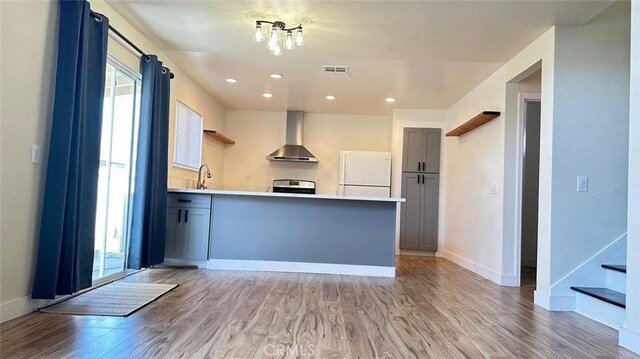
[(477, 268), (554, 303), (19, 307), (301, 267), (629, 339), (509, 280)]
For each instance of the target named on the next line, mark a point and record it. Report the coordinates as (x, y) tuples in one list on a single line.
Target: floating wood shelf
[(472, 124), (219, 137)]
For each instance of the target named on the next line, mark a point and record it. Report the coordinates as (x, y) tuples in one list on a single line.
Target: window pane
[(115, 176), (188, 137)]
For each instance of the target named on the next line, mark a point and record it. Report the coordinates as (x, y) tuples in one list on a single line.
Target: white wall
[(27, 72), (26, 78), (630, 334), (186, 90), (480, 228), (258, 133), (590, 138), (583, 130), (403, 118), (473, 216)]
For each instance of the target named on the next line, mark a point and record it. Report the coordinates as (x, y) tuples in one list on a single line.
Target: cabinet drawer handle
[(184, 200), (418, 166), (424, 166), (179, 215), (186, 216), (418, 179)]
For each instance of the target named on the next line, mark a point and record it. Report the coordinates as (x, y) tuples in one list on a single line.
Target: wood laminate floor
[(432, 309)]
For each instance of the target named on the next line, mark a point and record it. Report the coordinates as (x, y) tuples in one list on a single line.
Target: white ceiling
[(427, 54)]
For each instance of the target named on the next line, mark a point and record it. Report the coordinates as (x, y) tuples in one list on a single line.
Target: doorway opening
[(116, 171), (530, 114)]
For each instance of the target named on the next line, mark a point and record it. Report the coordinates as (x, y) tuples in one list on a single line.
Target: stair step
[(615, 280), (604, 294), (616, 267)]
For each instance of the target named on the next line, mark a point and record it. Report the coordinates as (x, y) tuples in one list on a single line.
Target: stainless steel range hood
[(293, 150)]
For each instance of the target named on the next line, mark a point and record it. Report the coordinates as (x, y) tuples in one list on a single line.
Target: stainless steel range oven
[(294, 186)]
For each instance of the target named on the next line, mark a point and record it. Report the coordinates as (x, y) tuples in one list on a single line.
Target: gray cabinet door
[(411, 216), (173, 233), (195, 243), (413, 149), (421, 150), (429, 202), (432, 138), (188, 218)]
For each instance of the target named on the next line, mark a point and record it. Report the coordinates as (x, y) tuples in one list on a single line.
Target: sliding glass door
[(117, 165)]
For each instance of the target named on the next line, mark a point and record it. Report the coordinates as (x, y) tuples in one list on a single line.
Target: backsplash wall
[(258, 133)]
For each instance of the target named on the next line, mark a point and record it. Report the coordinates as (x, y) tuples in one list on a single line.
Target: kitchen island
[(299, 232)]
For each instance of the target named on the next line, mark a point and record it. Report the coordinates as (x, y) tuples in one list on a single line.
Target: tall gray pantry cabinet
[(420, 186)]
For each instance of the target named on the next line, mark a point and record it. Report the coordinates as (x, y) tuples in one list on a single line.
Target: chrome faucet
[(201, 180)]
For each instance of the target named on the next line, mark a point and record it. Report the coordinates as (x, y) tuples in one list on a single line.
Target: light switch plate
[(35, 154), (583, 184)]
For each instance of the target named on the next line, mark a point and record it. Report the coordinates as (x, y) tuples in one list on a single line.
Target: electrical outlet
[(494, 188), (583, 184)]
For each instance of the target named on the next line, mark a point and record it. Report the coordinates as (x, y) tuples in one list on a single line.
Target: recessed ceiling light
[(390, 99), (330, 97), (276, 76), (231, 81), (267, 95)]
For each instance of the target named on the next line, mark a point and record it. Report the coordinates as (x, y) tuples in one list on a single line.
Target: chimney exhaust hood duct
[(293, 150)]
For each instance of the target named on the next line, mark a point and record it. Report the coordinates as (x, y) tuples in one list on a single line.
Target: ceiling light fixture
[(267, 95), (231, 81), (276, 76), (330, 97), (278, 33), (390, 99)]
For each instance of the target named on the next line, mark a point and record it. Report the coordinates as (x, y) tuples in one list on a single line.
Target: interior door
[(411, 211)]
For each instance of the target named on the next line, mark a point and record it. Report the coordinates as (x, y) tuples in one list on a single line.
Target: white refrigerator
[(365, 173)]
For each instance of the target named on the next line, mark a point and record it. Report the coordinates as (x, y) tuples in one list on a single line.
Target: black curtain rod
[(98, 16)]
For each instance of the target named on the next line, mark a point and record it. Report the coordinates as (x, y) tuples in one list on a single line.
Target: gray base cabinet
[(188, 222)]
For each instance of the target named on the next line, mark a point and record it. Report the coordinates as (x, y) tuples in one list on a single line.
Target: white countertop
[(296, 195)]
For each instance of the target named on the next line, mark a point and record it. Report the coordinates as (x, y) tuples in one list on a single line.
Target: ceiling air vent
[(339, 70)]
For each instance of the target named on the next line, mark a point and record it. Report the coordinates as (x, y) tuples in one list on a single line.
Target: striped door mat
[(117, 299)]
